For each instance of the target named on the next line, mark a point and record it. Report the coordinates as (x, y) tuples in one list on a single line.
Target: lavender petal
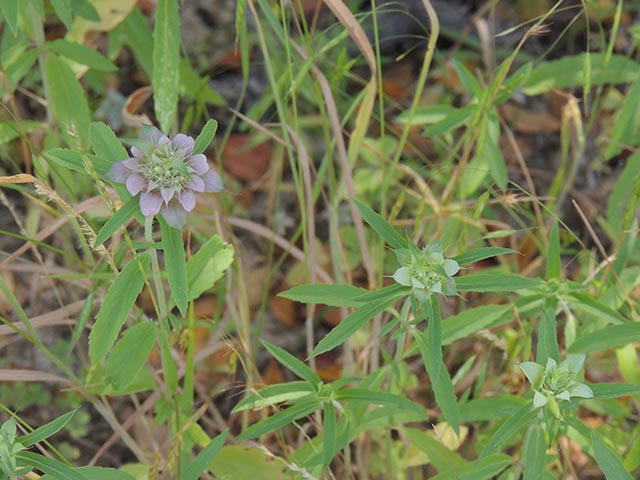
[(187, 199), (132, 164), (150, 203), (119, 173), (195, 183), (175, 215), (152, 134), (184, 143), (167, 194), (212, 181), (199, 163), (135, 183)]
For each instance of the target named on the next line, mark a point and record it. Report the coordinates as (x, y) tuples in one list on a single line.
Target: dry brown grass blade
[(349, 22), (24, 375), (61, 316)]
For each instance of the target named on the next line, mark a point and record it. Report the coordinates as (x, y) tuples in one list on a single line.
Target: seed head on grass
[(167, 174)]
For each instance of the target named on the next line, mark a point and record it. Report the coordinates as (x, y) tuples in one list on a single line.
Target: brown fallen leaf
[(526, 121), (246, 160), (134, 103)]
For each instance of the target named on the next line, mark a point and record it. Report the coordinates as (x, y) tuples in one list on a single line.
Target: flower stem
[(155, 270)]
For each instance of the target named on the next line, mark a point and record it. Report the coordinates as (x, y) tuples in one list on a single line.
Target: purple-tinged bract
[(167, 174)]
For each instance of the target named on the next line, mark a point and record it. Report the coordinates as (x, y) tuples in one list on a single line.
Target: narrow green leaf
[(446, 397), (491, 408), (535, 455), (477, 254), (175, 262), (328, 434), (130, 354), (381, 226), (117, 220), (137, 35), (395, 290), (471, 321), (585, 302), (494, 282), (439, 455), (548, 334), (81, 323), (84, 9), (206, 136), (198, 466), (166, 62), (553, 253), (105, 143), (10, 10), (103, 473), (45, 431), (281, 392), (48, 465), (63, 11), (614, 390), (67, 100), (116, 306), (434, 337), (377, 398), (469, 81), (292, 363), (613, 336), (509, 428), (483, 469), (454, 120), (326, 294), (169, 367), (81, 54), (608, 460), (568, 72), (208, 264), (279, 420), (351, 324)]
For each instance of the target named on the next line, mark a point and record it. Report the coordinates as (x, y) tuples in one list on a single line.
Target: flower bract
[(167, 174), (554, 382), (426, 271)]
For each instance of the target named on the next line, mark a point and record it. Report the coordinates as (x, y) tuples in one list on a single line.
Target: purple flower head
[(167, 174)]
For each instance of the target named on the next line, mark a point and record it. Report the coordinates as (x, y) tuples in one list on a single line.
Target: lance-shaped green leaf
[(279, 393), (326, 294), (174, 259), (608, 460), (353, 323), (483, 469), (116, 306), (381, 226), (293, 364), (208, 265), (494, 282), (130, 354), (117, 220), (613, 336), (166, 61), (328, 433), (536, 454), (45, 431), (198, 466), (477, 254), (206, 136), (280, 419), (377, 398), (48, 465), (508, 429), (434, 337)]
